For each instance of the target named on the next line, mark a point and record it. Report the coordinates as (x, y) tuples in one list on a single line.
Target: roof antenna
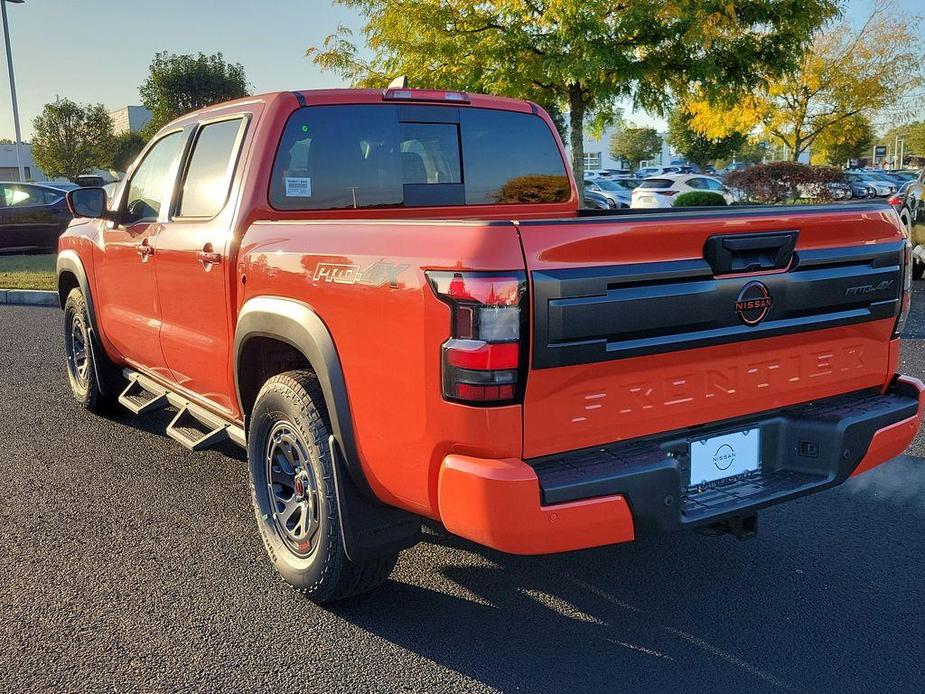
[(400, 82)]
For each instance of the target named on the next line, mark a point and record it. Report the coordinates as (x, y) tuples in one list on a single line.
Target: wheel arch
[(71, 274), (294, 323)]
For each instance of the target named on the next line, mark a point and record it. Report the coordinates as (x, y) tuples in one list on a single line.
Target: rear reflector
[(482, 360)]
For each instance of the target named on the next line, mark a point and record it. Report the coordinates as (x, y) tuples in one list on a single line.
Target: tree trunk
[(576, 118)]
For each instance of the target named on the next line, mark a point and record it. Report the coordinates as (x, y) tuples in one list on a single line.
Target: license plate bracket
[(725, 458)]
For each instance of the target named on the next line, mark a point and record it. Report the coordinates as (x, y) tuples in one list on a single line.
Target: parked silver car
[(881, 186), (618, 190)]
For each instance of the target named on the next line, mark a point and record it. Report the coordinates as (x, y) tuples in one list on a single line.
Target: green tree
[(71, 139), (125, 147), (696, 147), (582, 54), (632, 144), (178, 84), (750, 152), (6, 141), (851, 139), (914, 135)]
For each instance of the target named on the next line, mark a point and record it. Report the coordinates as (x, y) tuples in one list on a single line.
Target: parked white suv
[(661, 191)]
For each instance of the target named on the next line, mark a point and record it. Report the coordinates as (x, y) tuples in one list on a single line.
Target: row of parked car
[(658, 190), (658, 186)]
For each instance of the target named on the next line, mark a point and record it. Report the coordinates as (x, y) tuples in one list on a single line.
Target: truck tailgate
[(649, 323)]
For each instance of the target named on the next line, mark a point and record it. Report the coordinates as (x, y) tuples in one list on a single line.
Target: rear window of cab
[(383, 156)]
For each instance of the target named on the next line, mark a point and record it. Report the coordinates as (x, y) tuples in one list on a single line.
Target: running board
[(138, 400), (194, 427)]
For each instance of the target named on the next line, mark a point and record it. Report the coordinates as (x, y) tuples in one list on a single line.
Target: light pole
[(9, 63)]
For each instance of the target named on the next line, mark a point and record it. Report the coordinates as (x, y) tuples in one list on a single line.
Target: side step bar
[(193, 427), (137, 400)]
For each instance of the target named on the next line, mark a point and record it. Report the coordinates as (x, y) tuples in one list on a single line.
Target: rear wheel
[(292, 488), (918, 268), (87, 366)]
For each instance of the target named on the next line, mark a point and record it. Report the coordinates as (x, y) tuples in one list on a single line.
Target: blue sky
[(99, 50)]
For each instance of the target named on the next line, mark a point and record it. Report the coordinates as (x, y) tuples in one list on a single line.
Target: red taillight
[(895, 200), (669, 193), (482, 360)]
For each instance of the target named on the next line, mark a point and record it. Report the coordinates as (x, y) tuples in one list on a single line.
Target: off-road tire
[(293, 403), (86, 362)]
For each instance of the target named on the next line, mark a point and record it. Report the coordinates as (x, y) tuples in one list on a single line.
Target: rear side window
[(25, 196), (369, 156), (208, 176)]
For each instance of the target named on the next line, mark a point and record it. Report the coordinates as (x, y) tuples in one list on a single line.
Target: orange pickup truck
[(392, 300)]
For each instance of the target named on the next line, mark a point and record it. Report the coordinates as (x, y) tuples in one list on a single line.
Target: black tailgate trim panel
[(588, 315)]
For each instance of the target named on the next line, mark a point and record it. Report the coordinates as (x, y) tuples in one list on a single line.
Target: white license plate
[(721, 457)]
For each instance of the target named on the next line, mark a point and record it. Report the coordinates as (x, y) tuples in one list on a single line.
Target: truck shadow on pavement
[(799, 608)]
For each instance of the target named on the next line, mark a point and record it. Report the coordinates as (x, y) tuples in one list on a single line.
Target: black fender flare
[(370, 528), (296, 324), (69, 261)]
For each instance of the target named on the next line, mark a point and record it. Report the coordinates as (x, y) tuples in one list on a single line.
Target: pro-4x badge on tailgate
[(376, 275)]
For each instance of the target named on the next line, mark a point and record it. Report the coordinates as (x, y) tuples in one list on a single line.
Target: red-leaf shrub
[(781, 181)]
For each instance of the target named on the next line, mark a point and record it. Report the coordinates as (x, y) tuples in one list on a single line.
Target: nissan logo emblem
[(753, 303)]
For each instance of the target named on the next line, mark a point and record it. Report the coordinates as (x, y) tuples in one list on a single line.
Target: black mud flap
[(369, 529)]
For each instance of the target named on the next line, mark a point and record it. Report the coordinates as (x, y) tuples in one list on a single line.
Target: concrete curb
[(28, 297)]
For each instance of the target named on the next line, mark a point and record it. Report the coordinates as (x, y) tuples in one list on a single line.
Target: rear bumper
[(614, 493)]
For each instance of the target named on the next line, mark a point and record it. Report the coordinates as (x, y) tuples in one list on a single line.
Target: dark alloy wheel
[(292, 488), (77, 340)]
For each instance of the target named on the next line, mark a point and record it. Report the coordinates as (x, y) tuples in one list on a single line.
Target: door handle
[(144, 249), (207, 256)]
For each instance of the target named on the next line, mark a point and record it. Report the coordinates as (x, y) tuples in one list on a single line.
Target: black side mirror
[(88, 202)]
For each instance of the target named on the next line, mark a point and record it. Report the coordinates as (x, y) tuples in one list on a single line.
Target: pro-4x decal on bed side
[(376, 275)]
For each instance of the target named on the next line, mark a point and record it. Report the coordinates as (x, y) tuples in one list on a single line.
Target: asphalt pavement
[(128, 564)]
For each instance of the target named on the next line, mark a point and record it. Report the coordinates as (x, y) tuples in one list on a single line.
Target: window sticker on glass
[(298, 187)]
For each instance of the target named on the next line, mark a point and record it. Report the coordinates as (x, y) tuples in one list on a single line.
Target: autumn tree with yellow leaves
[(849, 76)]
